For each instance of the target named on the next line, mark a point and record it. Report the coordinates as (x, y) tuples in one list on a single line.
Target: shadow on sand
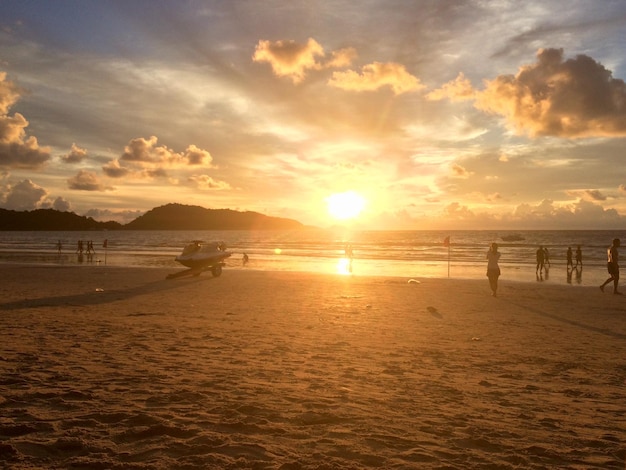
[(99, 297)]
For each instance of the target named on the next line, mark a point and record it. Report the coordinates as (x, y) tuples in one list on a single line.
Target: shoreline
[(588, 276)]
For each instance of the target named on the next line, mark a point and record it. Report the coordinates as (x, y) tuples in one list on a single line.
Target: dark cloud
[(113, 169), (24, 196), (61, 204), (556, 97), (595, 195), (86, 181)]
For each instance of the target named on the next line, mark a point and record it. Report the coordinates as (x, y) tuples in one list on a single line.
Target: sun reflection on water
[(344, 266)]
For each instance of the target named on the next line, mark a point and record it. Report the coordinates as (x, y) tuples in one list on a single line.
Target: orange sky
[(435, 114)]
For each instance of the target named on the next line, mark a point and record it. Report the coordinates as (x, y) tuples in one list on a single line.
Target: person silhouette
[(613, 265), (493, 269), (570, 263), (541, 257), (579, 256)]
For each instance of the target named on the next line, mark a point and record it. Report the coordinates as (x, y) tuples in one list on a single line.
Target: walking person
[(570, 262), (579, 257), (613, 266), (493, 269), (541, 257)]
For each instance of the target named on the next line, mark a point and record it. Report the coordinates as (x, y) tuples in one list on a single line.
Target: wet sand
[(119, 368)]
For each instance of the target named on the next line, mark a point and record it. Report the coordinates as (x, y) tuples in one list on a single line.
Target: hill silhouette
[(183, 217), (167, 217), (50, 219)]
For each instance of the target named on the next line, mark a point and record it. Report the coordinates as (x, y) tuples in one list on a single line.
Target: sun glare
[(343, 206)]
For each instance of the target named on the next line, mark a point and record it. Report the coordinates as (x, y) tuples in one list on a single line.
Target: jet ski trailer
[(200, 257)]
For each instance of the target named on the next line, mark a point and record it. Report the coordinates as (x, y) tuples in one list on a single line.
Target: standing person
[(540, 260), (613, 265), (59, 246), (493, 269), (570, 263), (546, 258), (579, 257)]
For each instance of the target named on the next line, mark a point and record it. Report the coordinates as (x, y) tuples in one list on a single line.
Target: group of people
[(493, 268), (80, 248), (579, 257)]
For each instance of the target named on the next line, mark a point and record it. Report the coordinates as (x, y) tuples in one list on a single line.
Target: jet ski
[(199, 256)]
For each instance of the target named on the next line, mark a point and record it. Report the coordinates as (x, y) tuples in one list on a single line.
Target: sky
[(381, 114)]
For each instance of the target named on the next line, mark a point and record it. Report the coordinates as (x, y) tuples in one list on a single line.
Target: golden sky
[(422, 114)]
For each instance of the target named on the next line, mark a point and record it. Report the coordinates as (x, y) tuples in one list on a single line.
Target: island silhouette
[(167, 217)]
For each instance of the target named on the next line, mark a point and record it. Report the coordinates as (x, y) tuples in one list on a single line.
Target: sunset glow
[(344, 206), (283, 111)]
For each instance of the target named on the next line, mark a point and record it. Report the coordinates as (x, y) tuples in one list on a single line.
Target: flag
[(446, 241)]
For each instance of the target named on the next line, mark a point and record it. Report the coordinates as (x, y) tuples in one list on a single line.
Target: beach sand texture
[(119, 368)]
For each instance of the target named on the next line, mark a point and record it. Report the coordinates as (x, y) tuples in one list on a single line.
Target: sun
[(344, 206)]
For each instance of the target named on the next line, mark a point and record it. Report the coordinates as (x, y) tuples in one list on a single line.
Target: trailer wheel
[(216, 270)]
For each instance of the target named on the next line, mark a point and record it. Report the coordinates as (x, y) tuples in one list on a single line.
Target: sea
[(405, 254)]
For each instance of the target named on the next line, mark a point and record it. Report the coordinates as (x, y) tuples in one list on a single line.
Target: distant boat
[(514, 237)]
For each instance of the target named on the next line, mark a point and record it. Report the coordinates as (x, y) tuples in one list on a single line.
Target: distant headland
[(167, 217)]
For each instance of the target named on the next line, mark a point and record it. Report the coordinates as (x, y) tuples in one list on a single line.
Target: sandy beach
[(118, 368)]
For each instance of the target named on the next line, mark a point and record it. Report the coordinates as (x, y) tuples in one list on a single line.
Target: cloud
[(60, 204), (555, 97), (143, 158), (544, 215), (76, 155), (291, 59), (16, 150), (146, 151), (24, 196), (197, 156), (460, 172), (105, 215), (595, 195), (86, 181), (375, 76), (9, 94), (288, 58), (113, 169), (459, 89), (206, 182)]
